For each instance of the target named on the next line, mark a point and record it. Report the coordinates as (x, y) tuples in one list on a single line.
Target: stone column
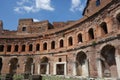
[(117, 58), (38, 68), (85, 69), (24, 67), (54, 69), (32, 68), (99, 67), (65, 70), (74, 68), (47, 72)]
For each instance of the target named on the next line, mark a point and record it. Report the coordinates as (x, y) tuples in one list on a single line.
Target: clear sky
[(53, 10)]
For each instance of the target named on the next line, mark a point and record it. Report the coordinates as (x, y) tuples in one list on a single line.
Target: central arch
[(81, 64), (13, 65), (44, 66), (28, 66), (108, 61)]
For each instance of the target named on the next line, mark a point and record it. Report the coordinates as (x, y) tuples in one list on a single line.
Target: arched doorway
[(81, 64), (1, 65), (44, 66), (29, 69), (108, 61), (13, 65), (91, 33)]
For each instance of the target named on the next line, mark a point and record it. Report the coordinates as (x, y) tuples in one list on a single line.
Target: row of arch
[(29, 65), (53, 43), (107, 63), (104, 30)]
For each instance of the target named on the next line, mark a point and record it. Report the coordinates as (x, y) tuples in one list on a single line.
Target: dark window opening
[(118, 17), (1, 48), (80, 38), (16, 48), (53, 45), (30, 47), (45, 46), (61, 43), (9, 48), (37, 47), (24, 29), (23, 48), (97, 2), (60, 60), (70, 40), (91, 34), (60, 69), (104, 28)]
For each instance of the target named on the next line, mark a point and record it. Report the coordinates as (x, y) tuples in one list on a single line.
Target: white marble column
[(32, 68), (38, 68), (85, 72), (24, 67), (65, 70), (117, 58), (74, 68), (54, 69), (99, 67), (47, 72)]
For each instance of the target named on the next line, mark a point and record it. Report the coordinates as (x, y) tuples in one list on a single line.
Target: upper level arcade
[(44, 37)]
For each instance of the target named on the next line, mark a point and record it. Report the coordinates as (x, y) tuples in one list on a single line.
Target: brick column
[(5, 66)]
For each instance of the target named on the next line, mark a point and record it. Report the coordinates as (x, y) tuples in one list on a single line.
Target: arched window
[(8, 48), (45, 46), (1, 48), (37, 47), (80, 38), (118, 17), (44, 65), (53, 45), (23, 48), (91, 34), (70, 41), (16, 48), (30, 47), (61, 43), (104, 29)]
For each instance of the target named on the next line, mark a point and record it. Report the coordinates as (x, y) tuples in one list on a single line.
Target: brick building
[(88, 47)]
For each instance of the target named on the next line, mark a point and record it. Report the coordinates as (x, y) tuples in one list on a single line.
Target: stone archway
[(13, 65), (81, 64), (29, 66), (108, 61), (1, 65), (44, 66)]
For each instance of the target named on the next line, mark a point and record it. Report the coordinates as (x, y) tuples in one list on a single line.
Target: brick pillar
[(5, 66), (21, 66), (19, 47)]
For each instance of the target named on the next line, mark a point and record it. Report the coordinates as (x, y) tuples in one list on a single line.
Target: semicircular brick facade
[(86, 47)]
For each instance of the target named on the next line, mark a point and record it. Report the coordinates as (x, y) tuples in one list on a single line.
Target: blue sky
[(53, 10)]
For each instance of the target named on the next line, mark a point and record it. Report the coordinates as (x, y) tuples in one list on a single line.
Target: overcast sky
[(53, 10)]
